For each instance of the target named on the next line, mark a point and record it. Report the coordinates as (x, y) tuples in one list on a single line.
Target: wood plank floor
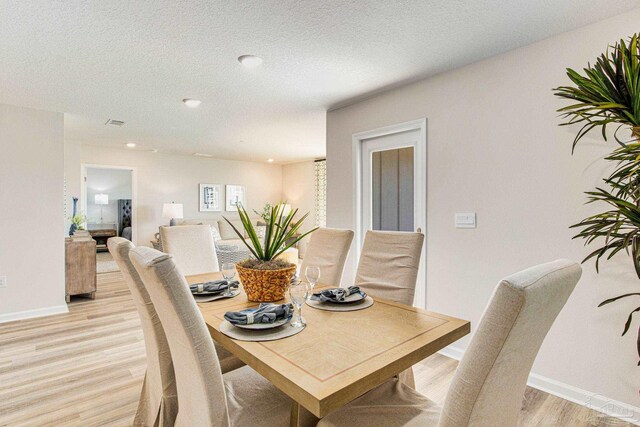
[(85, 368)]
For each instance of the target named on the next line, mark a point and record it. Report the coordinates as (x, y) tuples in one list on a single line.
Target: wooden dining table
[(339, 356)]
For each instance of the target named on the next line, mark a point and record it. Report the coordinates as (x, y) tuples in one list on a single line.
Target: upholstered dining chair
[(206, 397), (158, 403), (488, 386), (328, 249), (388, 269), (120, 248), (192, 247), (388, 265)]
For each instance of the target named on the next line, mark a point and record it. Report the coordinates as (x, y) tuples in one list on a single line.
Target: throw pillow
[(215, 234)]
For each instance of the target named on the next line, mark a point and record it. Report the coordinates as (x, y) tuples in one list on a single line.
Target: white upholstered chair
[(206, 397), (388, 265), (388, 269), (158, 403), (192, 248), (489, 384), (328, 249)]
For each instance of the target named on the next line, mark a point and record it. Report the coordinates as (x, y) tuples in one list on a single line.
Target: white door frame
[(420, 190), (134, 193)]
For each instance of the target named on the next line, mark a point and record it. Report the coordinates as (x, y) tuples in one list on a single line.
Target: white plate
[(262, 326), (353, 298), (215, 297)]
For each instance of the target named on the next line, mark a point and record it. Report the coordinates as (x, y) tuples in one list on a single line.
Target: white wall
[(31, 218), (164, 178), (298, 189), (494, 147)]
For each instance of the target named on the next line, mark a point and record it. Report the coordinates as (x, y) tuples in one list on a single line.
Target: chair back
[(158, 400), (192, 248), (388, 265), (489, 384), (328, 249), (201, 395)]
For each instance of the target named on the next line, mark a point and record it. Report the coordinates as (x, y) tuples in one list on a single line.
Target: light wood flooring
[(85, 368)]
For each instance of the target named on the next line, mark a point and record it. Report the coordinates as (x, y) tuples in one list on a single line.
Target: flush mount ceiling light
[(270, 160), (192, 103), (250, 61), (131, 145)]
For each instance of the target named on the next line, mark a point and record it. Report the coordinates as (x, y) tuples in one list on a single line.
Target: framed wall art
[(235, 195), (210, 198)]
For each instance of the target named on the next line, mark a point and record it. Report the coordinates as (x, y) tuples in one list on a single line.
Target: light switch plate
[(3, 281), (465, 220)]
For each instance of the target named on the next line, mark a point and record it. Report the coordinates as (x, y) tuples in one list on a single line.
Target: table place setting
[(340, 299), (217, 289), (268, 321)]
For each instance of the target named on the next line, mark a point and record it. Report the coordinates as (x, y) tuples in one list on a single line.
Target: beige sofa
[(228, 237)]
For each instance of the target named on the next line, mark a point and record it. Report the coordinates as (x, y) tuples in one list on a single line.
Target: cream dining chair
[(206, 397), (488, 386), (192, 247), (388, 269), (120, 248), (388, 265), (158, 403), (328, 249)]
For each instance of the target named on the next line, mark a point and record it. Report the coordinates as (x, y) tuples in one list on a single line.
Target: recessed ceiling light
[(250, 61), (202, 155), (192, 103), (270, 160), (153, 150), (131, 144)]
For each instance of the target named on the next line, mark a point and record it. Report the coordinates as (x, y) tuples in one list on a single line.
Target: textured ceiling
[(135, 60)]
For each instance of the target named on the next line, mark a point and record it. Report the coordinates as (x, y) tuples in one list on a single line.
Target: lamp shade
[(286, 209), (102, 199), (172, 210)]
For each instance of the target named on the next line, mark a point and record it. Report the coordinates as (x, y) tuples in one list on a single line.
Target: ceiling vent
[(112, 122)]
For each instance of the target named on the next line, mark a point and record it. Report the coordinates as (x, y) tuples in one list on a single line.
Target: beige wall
[(31, 217), (494, 147), (298, 189), (163, 178)]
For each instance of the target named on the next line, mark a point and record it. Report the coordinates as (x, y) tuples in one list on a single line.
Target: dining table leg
[(301, 417)]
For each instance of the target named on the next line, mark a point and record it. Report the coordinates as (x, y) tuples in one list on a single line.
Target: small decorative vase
[(74, 227), (265, 285)]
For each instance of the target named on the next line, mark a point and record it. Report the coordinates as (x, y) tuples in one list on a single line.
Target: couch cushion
[(226, 231), (212, 222)]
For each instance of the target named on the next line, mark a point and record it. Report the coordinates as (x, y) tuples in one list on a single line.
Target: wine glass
[(298, 292), (228, 272), (312, 273)]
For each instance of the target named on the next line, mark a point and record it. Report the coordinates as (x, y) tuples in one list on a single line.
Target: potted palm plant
[(608, 93), (265, 277)]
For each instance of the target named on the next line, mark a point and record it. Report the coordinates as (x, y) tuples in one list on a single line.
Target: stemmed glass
[(228, 272), (298, 292), (312, 273)]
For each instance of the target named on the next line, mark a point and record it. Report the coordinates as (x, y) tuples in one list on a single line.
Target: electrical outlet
[(3, 281)]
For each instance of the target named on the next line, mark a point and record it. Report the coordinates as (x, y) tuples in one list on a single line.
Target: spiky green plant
[(280, 232), (609, 93)]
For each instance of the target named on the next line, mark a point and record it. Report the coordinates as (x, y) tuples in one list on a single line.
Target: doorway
[(108, 199), (390, 185)]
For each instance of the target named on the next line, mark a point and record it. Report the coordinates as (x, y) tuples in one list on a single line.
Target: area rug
[(105, 263)]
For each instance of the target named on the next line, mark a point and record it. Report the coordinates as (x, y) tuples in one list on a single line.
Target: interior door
[(391, 170)]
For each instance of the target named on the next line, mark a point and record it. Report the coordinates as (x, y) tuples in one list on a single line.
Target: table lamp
[(172, 211), (101, 199)]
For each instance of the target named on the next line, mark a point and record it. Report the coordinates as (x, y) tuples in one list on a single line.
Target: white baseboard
[(29, 314), (602, 404)]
